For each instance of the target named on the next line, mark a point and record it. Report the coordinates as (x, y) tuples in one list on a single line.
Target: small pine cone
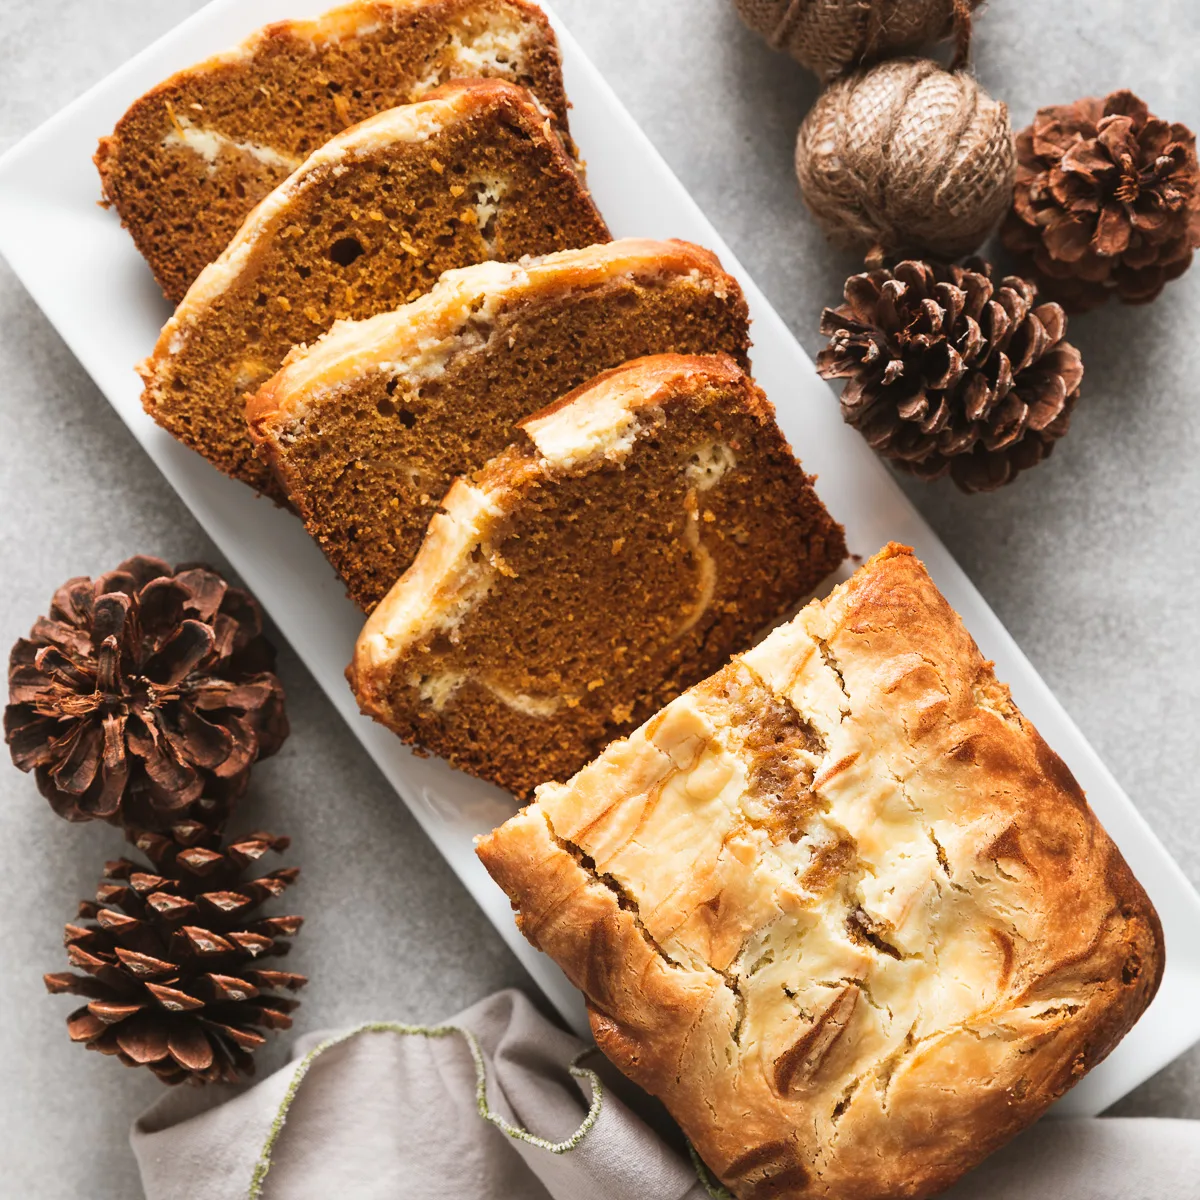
[(829, 35), (1107, 201), (141, 691), (171, 952), (950, 374)]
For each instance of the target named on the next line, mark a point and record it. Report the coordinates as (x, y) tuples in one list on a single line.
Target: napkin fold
[(499, 1104)]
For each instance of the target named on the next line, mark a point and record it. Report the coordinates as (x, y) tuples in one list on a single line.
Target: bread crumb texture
[(471, 172), (216, 138), (367, 429), (646, 527)]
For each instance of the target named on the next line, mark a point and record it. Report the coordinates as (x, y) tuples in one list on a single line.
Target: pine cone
[(1107, 200), (141, 691), (950, 374), (168, 956)]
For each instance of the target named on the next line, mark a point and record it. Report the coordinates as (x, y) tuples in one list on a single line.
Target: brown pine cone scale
[(170, 957), (142, 690), (1106, 202), (949, 373)]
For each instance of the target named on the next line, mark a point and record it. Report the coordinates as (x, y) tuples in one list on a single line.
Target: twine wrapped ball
[(906, 157), (829, 35)]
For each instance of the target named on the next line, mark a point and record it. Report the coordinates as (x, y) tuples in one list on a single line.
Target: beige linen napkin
[(395, 1112)]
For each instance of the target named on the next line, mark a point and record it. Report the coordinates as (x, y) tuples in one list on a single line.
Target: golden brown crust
[(865, 1030), (215, 138), (655, 373)]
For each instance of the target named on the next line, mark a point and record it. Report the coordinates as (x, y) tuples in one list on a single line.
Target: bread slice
[(472, 172), (191, 158), (642, 529), (367, 428), (839, 906)]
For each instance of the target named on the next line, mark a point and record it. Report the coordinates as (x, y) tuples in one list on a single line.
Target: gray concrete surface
[(1093, 561)]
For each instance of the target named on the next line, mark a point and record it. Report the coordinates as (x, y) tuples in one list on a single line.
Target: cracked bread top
[(191, 158), (839, 906), (367, 428), (639, 531), (473, 171)]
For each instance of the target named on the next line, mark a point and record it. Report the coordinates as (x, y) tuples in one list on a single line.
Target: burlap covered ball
[(907, 157), (829, 35)]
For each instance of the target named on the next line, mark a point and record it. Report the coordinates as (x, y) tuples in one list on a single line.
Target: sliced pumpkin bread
[(638, 533), (474, 171), (368, 427), (191, 158)]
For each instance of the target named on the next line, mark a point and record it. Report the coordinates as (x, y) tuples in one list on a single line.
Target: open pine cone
[(950, 373), (170, 955), (1107, 200), (142, 690)]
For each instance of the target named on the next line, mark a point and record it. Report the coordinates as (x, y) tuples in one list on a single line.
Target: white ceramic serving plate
[(82, 269)]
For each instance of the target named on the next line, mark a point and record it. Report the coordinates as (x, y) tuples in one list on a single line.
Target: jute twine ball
[(829, 35), (907, 157)]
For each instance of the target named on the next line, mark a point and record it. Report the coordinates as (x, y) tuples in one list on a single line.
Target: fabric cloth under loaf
[(384, 1115)]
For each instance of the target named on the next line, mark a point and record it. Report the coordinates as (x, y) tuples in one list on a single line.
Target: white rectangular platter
[(83, 271)]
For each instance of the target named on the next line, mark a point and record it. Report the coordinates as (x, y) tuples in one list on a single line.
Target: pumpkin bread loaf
[(839, 906), (192, 157), (640, 531), (474, 171), (367, 428)]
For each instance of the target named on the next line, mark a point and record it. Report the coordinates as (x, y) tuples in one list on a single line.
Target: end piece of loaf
[(368, 427), (839, 906), (191, 158), (642, 529), (472, 172)]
